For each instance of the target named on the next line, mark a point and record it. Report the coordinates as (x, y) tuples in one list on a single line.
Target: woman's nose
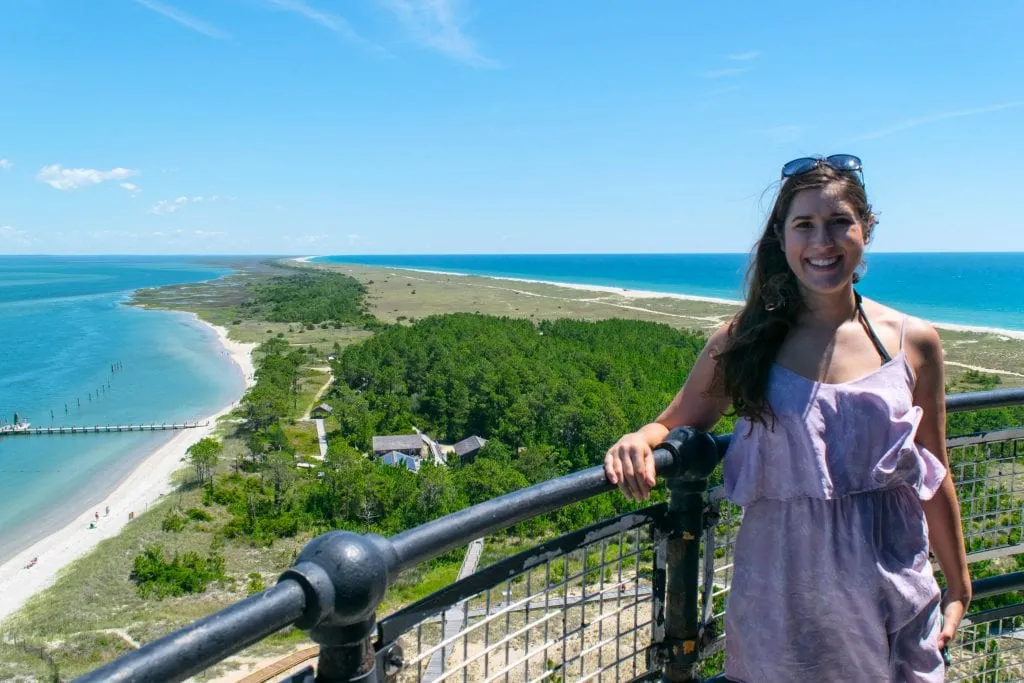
[(822, 236)]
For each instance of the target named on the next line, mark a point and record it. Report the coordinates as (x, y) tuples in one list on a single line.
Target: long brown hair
[(773, 303)]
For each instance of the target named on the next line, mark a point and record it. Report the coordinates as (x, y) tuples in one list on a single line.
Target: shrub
[(199, 515), (186, 573), (255, 584), (174, 521)]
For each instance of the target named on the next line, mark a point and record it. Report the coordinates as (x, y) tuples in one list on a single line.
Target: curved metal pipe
[(203, 643)]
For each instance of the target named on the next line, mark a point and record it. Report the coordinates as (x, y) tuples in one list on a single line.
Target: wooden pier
[(98, 429)]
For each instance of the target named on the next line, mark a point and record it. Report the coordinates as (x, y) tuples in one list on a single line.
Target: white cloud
[(131, 188), (304, 241), (209, 234), (352, 239), (184, 19), (935, 118), (165, 206), (744, 56), (435, 24), (13, 235), (331, 22), (60, 178), (6, 163)]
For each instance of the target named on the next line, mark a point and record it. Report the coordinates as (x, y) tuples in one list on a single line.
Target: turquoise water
[(966, 289), (62, 325)]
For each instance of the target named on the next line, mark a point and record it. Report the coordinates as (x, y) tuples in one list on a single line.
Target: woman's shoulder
[(919, 338)]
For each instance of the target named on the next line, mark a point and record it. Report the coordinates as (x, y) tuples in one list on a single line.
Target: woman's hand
[(953, 611), (630, 465)]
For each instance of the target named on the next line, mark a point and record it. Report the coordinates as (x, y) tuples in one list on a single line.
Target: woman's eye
[(803, 225)]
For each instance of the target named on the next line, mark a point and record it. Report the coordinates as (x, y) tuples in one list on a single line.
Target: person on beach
[(838, 456)]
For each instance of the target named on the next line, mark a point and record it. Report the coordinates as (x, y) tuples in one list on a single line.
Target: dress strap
[(871, 331), (903, 331)]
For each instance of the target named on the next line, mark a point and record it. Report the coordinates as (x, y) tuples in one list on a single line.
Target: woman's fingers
[(628, 475), (630, 466), (649, 473), (636, 457), (611, 467)]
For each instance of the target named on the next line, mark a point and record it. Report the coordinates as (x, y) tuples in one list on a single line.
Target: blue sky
[(420, 126)]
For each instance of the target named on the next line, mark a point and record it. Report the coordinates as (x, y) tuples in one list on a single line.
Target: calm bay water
[(62, 325), (966, 289)]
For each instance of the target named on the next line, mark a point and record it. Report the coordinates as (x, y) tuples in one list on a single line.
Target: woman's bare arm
[(629, 463), (942, 511)]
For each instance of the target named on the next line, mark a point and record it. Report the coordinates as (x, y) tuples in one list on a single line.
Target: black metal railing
[(637, 597)]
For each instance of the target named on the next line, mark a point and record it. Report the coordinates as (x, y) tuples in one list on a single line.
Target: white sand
[(150, 480), (303, 259)]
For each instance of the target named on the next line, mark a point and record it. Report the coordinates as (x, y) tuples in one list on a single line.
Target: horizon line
[(481, 253)]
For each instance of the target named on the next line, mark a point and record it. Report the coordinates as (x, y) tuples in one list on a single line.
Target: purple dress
[(832, 580)]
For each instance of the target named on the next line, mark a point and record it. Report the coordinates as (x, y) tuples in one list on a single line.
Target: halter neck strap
[(871, 331)]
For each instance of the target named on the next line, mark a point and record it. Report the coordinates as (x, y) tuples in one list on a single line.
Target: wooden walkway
[(97, 429), (282, 665)]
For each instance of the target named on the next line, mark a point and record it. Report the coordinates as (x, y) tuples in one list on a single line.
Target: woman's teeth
[(823, 262)]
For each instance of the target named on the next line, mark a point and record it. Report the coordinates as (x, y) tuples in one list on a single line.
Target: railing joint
[(679, 653), (391, 659), (712, 515)]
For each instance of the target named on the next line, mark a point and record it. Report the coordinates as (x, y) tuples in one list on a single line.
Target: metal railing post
[(344, 576), (696, 457)]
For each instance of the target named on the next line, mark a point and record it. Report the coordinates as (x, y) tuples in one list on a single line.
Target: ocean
[(62, 326), (978, 289)]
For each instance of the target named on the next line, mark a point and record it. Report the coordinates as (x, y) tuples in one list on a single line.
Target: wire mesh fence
[(989, 647), (988, 471), (582, 608)]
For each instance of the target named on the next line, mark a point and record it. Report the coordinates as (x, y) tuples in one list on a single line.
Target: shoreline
[(148, 481), (650, 294)]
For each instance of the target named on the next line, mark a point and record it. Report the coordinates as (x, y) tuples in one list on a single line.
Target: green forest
[(308, 298), (550, 398)]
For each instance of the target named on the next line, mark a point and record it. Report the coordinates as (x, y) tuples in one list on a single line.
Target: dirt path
[(994, 371), (320, 392)]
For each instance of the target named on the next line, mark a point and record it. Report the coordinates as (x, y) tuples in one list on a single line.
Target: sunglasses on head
[(840, 162)]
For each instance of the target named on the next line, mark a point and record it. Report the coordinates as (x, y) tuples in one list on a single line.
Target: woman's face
[(823, 239)]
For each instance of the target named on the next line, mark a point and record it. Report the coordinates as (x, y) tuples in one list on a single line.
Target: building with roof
[(468, 448), (321, 411), (407, 444)]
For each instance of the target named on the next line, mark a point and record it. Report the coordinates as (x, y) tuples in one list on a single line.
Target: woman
[(838, 457)]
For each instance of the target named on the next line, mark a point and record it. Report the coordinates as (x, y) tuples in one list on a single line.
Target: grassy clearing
[(302, 435), (419, 583), (391, 300)]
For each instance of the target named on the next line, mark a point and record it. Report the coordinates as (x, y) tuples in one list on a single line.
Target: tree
[(281, 473), (488, 478), (204, 456)]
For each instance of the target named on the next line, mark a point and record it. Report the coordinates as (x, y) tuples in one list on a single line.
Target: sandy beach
[(150, 480)]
